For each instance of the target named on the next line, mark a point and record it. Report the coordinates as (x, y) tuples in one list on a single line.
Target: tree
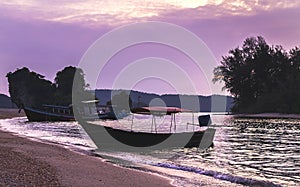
[(28, 88), (259, 77), (294, 80), (70, 81)]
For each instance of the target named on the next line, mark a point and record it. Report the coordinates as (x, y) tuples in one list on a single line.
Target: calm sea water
[(246, 152)]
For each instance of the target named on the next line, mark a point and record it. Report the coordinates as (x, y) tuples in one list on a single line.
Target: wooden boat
[(108, 137), (119, 139), (65, 113), (49, 113), (110, 112)]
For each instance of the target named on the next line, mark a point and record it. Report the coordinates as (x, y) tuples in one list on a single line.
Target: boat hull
[(108, 115), (117, 139), (37, 115), (40, 115)]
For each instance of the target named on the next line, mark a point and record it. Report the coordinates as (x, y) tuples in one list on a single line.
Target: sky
[(47, 36)]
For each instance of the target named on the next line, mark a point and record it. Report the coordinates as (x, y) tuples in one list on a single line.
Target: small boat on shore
[(49, 113), (120, 139), (66, 113), (109, 137)]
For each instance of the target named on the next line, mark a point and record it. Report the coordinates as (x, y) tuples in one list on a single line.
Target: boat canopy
[(204, 120), (158, 110)]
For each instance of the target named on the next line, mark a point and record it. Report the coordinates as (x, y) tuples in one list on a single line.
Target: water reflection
[(260, 149)]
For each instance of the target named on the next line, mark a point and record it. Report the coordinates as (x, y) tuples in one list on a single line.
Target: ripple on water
[(244, 149)]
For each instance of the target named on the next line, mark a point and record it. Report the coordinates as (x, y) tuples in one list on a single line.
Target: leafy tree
[(67, 84), (294, 80), (29, 88), (261, 78)]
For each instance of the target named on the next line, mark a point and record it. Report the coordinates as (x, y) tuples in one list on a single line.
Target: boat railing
[(55, 109), (203, 120)]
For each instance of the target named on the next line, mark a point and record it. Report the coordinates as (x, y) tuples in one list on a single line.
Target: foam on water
[(246, 151), (67, 134), (219, 175)]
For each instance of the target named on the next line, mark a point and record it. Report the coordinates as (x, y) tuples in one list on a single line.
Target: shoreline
[(32, 163), (54, 165), (89, 169), (268, 116)]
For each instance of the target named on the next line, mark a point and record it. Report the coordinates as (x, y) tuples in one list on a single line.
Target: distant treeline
[(262, 78), (213, 103), (5, 102), (28, 88)]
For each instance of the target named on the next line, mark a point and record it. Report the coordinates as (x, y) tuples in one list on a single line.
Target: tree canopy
[(67, 84), (28, 88), (262, 78)]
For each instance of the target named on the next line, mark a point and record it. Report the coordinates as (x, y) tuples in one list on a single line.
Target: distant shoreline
[(268, 116)]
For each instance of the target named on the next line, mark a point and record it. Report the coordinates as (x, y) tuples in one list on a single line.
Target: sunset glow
[(118, 12), (57, 33)]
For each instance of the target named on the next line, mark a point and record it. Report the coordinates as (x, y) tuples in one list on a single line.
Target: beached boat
[(109, 137), (110, 112), (49, 113), (65, 113), (112, 138), (121, 139)]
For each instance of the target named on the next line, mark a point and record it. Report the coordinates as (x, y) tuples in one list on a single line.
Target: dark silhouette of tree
[(67, 84), (29, 88), (294, 80), (260, 77)]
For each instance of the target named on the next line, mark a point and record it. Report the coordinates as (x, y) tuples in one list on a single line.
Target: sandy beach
[(28, 163)]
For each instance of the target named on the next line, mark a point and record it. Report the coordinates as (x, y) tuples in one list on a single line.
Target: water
[(67, 134), (246, 152)]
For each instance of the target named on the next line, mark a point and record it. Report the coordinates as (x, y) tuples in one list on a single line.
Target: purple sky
[(46, 36)]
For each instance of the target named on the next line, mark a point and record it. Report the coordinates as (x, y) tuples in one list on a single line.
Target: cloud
[(98, 13), (48, 35), (221, 33), (89, 13)]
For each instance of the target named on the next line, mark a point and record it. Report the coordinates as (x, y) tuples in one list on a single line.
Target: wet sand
[(28, 163)]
